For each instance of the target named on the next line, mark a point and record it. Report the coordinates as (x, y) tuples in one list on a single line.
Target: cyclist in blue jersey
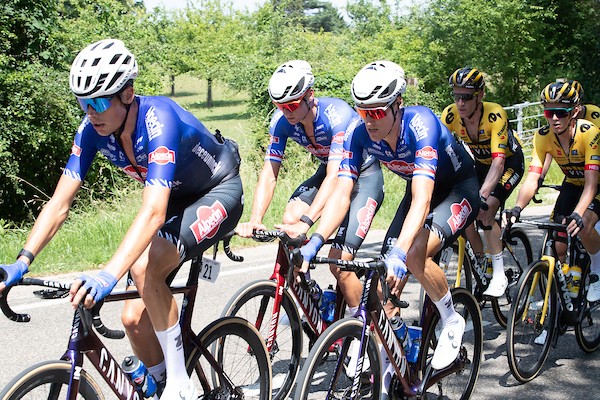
[(318, 125), (192, 196), (441, 195)]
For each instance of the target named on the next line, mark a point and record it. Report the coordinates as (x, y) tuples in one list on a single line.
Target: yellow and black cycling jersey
[(494, 138), (591, 112), (583, 153)]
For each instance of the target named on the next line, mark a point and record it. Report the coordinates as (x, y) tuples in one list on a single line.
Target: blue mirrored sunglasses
[(99, 104)]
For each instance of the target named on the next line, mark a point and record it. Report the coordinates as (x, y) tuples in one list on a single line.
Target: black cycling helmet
[(467, 77), (560, 92), (577, 87)]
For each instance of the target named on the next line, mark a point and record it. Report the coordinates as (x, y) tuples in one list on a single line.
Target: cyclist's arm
[(325, 191), (589, 191), (146, 224), (53, 215), (493, 177), (336, 207), (263, 195), (422, 191)]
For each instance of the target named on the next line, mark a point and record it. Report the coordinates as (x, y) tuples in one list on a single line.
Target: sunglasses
[(375, 113), (464, 96), (99, 104), (290, 106), (559, 112)]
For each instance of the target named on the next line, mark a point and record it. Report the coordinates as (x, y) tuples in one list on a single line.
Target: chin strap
[(393, 122), (117, 134)]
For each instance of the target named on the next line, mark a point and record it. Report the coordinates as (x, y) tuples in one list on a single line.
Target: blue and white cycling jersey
[(171, 148), (425, 147), (331, 122)]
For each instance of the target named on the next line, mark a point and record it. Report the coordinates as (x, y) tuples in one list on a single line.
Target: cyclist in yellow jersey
[(574, 145), (499, 161)]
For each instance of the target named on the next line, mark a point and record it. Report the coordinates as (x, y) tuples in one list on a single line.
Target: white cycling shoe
[(497, 287), (180, 392), (593, 293), (449, 343)]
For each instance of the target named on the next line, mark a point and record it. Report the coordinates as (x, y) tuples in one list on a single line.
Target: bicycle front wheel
[(49, 380), (324, 377), (255, 303), (517, 255), (240, 352), (587, 329), (528, 336), (461, 382)]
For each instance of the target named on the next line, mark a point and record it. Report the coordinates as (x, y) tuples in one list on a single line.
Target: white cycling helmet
[(378, 82), (102, 69), (290, 81)]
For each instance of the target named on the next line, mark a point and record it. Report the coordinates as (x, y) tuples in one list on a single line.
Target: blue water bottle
[(415, 333), (401, 331), (328, 304), (140, 376)]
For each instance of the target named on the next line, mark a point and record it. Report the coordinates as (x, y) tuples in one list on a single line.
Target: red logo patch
[(208, 222), (401, 167), (427, 153), (460, 213), (129, 170), (365, 217), (76, 150), (161, 156), (338, 138)]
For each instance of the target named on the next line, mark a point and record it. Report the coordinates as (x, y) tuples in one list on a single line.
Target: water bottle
[(415, 333), (566, 270), (575, 272), (327, 307), (315, 292), (489, 268), (401, 331), (140, 376)]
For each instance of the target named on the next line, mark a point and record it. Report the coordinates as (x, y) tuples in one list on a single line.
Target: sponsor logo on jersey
[(338, 138), (418, 127), (130, 170), (333, 115), (318, 150), (161, 156), (400, 167), (273, 139), (365, 217), (153, 125), (208, 222), (460, 214), (76, 150), (427, 153), (348, 155)]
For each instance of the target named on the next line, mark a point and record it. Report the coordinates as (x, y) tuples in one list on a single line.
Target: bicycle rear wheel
[(49, 380), (319, 372), (517, 256), (587, 329), (240, 352), (528, 339), (254, 302), (460, 383)]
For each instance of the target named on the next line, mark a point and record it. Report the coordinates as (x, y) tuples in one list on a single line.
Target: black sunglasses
[(464, 96)]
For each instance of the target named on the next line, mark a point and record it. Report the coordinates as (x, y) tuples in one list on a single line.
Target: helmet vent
[(115, 78), (115, 59), (88, 80), (96, 61), (388, 90), (298, 87)]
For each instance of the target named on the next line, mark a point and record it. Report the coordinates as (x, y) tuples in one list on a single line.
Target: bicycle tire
[(526, 357), (587, 328), (38, 381), (461, 383), (316, 376), (240, 351), (286, 351), (519, 256)]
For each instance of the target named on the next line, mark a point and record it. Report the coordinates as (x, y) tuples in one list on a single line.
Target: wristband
[(306, 219), (319, 237), (27, 254)]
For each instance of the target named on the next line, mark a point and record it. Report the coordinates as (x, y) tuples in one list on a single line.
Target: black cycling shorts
[(514, 167), (366, 198)]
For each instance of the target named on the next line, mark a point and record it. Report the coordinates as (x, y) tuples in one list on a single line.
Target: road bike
[(282, 309), (227, 359), (544, 307), (324, 377), (463, 269)]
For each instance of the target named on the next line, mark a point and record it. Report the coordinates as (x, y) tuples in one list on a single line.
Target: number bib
[(210, 269)]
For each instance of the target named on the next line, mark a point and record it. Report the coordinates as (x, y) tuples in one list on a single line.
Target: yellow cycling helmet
[(577, 87), (560, 92), (467, 77)]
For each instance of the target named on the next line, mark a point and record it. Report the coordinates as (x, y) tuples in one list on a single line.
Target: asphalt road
[(568, 372)]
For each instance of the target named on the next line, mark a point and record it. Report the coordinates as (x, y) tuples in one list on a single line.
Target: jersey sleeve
[(498, 120), (426, 129), (277, 138), (538, 154), (83, 151), (592, 149), (352, 150), (163, 148)]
